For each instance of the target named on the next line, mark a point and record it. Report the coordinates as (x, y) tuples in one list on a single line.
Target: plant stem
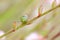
[(45, 13), (31, 21)]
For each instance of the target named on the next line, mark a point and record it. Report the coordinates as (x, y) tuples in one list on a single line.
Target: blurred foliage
[(26, 7)]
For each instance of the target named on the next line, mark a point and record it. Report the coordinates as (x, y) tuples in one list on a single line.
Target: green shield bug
[(24, 19)]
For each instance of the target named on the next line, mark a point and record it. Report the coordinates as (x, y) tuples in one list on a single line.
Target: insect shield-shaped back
[(24, 19)]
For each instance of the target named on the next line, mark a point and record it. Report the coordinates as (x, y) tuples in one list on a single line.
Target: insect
[(24, 19)]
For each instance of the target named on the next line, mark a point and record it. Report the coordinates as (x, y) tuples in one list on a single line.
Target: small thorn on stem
[(39, 11), (14, 25), (39, 15), (13, 30)]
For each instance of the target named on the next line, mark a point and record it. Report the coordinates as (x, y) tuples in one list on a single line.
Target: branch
[(30, 21)]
